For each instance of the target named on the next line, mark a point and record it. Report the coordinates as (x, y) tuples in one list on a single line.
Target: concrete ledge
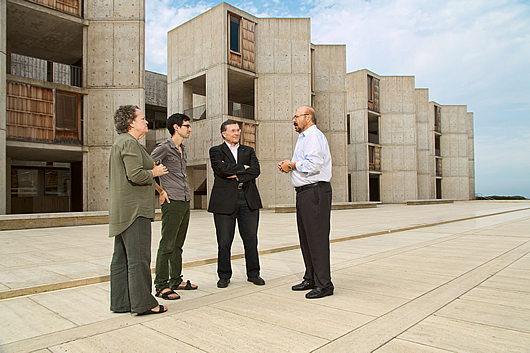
[(334, 206), (428, 202), (47, 220)]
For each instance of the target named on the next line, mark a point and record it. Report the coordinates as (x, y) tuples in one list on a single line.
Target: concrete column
[(114, 75), (424, 142), (330, 107), (398, 139), (4, 193), (187, 99)]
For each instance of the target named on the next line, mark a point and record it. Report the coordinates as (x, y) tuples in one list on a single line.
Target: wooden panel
[(375, 158), (249, 135), (69, 6), (30, 112), (248, 45), (234, 59), (376, 95), (373, 94)]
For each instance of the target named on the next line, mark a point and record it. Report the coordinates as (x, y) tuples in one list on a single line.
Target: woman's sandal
[(166, 295), (161, 309), (188, 286)]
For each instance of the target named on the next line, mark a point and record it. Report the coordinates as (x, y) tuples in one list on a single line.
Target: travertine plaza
[(427, 278), (66, 66)]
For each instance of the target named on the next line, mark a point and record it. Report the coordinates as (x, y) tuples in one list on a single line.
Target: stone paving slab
[(449, 287)]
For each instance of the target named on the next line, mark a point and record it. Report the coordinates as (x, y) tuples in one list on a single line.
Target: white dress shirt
[(233, 149), (312, 157)]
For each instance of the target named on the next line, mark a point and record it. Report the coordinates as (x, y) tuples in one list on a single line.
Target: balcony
[(196, 113), (241, 110), (38, 69), (373, 138), (73, 7)]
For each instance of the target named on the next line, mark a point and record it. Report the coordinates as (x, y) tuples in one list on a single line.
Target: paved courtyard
[(431, 278)]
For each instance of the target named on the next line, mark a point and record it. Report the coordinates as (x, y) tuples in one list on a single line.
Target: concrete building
[(403, 146), (388, 141), (226, 63), (65, 67)]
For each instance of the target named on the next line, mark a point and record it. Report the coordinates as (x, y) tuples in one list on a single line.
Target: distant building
[(388, 141)]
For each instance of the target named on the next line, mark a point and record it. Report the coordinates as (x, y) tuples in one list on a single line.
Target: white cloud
[(161, 17)]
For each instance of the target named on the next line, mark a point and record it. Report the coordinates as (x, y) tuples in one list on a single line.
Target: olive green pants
[(175, 220)]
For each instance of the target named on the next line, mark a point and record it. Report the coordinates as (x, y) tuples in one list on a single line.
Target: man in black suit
[(235, 196)]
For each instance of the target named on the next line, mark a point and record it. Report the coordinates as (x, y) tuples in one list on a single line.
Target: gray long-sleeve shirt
[(175, 182)]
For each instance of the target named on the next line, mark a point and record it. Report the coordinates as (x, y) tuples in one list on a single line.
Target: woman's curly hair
[(123, 118)]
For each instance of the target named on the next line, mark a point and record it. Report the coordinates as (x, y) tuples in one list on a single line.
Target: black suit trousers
[(225, 226), (313, 212)]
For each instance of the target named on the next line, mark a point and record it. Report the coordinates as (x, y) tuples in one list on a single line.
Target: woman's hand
[(159, 170)]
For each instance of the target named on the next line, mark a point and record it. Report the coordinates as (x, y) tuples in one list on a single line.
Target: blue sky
[(470, 52)]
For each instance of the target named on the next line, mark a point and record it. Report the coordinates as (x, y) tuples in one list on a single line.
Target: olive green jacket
[(131, 184)]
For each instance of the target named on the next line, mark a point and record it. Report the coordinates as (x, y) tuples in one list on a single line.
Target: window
[(234, 33), (66, 111), (370, 88)]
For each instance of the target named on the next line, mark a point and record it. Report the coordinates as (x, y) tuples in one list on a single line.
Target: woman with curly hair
[(131, 211)]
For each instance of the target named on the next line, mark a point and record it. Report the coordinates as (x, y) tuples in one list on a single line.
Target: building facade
[(226, 63), (65, 68), (404, 147), (389, 143)]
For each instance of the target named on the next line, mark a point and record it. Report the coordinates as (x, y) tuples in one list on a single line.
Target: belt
[(309, 186), (240, 186)]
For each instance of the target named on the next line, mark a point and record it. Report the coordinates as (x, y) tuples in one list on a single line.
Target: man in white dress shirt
[(310, 170)]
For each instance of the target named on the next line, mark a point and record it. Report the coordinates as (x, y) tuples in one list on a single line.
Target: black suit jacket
[(224, 192)]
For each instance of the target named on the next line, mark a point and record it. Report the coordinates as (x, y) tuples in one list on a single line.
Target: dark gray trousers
[(130, 269), (313, 212), (225, 227)]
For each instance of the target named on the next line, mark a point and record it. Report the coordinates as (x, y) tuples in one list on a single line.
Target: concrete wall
[(357, 108), (455, 154), (3, 52), (330, 106), (114, 76), (155, 89), (425, 144), (398, 139), (283, 64)]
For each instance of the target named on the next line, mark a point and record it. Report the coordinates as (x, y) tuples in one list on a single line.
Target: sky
[(466, 52)]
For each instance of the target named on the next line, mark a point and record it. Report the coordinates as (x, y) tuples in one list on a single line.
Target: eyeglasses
[(296, 116), (233, 130), (188, 126)]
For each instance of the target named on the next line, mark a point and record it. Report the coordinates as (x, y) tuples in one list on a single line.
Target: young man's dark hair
[(176, 118), (226, 123)]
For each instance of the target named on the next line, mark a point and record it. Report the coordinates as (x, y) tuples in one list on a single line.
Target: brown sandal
[(166, 295), (188, 286)]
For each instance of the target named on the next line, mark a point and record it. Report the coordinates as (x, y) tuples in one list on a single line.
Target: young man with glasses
[(174, 196)]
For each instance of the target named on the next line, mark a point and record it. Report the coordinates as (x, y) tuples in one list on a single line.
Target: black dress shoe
[(223, 282), (319, 293), (258, 281), (305, 285)]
